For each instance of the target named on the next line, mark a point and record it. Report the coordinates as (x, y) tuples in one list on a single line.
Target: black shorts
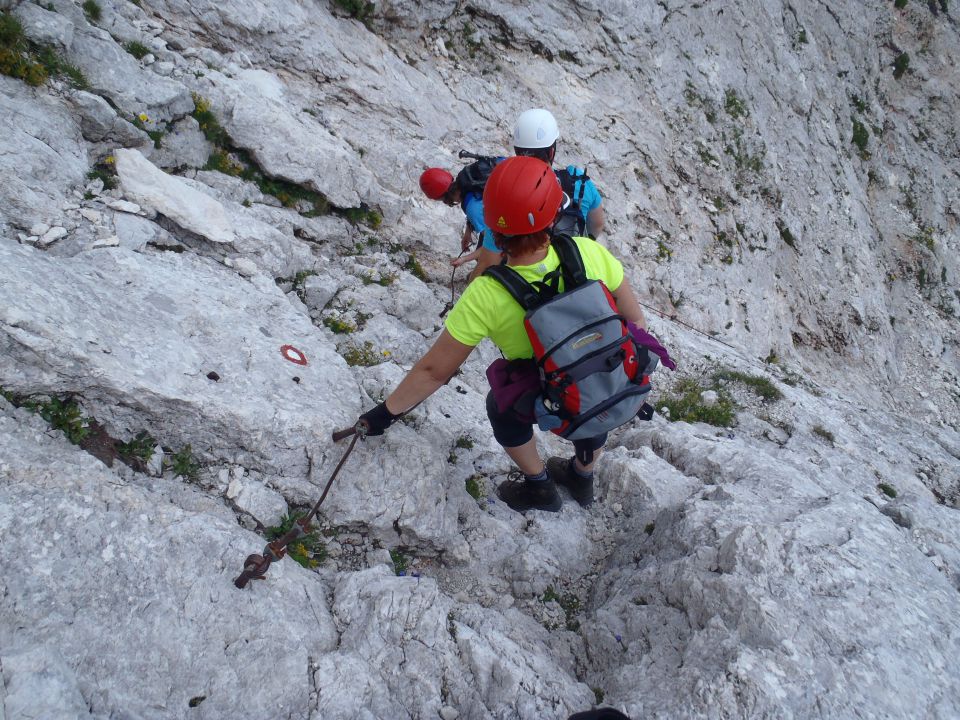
[(512, 429)]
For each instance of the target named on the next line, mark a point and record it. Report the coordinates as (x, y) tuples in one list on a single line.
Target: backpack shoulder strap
[(519, 289), (574, 271)]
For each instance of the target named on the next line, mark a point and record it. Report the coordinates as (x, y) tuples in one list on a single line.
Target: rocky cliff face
[(213, 252)]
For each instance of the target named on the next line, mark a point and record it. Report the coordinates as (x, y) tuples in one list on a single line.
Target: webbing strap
[(532, 295), (574, 272), (519, 289)]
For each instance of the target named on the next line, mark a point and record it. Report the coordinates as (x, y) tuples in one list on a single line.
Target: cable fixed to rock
[(673, 318), (256, 565)]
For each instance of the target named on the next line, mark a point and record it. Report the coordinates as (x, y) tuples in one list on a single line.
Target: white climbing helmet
[(535, 128)]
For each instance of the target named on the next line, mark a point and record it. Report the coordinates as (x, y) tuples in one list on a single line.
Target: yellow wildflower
[(143, 117)]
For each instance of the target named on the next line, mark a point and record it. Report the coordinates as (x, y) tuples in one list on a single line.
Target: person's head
[(438, 184), (520, 204), (536, 134)]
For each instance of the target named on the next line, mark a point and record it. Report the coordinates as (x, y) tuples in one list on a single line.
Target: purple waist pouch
[(515, 385)]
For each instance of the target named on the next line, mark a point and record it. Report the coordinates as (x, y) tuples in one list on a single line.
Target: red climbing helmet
[(522, 196), (435, 182)]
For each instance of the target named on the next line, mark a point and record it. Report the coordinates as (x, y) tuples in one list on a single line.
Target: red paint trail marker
[(290, 353)]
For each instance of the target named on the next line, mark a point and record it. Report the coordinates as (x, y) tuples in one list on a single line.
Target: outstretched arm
[(431, 371), (595, 220), (628, 305)]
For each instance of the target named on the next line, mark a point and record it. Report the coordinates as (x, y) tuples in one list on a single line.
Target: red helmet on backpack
[(435, 182), (522, 196)]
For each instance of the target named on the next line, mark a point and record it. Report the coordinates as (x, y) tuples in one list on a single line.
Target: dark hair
[(514, 245), (546, 154)]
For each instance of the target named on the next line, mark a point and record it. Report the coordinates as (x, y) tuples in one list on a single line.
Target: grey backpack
[(593, 378)]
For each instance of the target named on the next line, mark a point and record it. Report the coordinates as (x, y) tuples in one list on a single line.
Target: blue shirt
[(473, 207)]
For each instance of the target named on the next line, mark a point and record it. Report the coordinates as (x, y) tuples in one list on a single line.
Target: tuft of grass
[(568, 602), (361, 10), (140, 448), (400, 562), (787, 236), (414, 267), (474, 487), (385, 280), (899, 4), (887, 489), (465, 442), (105, 174), (598, 694), (649, 528), (685, 404), (760, 385), (861, 136), (734, 105), (340, 327), (308, 550), (900, 65), (183, 464), (209, 125), (27, 61), (821, 431), (91, 8), (137, 49)]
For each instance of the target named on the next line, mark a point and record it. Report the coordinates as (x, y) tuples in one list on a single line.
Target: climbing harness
[(673, 318), (256, 565)]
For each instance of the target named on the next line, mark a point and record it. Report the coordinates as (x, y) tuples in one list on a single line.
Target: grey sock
[(541, 477)]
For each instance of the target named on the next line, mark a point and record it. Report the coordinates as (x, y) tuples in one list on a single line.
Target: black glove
[(378, 419)]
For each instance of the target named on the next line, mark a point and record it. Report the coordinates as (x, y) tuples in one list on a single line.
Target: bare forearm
[(419, 384), (628, 305)]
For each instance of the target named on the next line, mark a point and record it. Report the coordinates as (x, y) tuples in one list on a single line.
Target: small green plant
[(400, 562), (474, 487), (734, 104), (899, 4), (339, 326), (105, 174), (663, 250), (183, 464), (91, 9), (465, 442), (649, 528), (140, 448), (568, 602), (802, 36), (362, 214), (308, 550), (787, 236), (414, 267), (365, 355), (822, 432), (861, 136), (685, 404), (137, 49), (385, 279), (887, 489), (924, 237), (759, 385), (362, 10), (62, 414), (598, 694), (27, 61), (900, 65), (208, 122)]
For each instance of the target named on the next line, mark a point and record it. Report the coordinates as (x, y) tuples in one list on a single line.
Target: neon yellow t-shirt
[(486, 309)]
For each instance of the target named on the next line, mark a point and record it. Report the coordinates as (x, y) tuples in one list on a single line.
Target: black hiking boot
[(521, 494), (581, 489)]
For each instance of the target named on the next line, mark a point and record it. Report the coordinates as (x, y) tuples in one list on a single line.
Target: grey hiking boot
[(561, 471), (521, 494)]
